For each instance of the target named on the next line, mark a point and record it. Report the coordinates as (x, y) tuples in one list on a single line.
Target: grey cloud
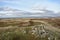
[(21, 13)]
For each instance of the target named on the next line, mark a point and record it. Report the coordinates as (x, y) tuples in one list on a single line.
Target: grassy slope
[(16, 34)]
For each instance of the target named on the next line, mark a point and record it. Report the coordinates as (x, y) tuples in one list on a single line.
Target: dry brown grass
[(25, 22)]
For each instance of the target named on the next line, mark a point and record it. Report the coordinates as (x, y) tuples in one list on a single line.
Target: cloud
[(32, 4), (33, 13), (46, 5)]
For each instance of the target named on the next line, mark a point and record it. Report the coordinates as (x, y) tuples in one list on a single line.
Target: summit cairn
[(39, 30)]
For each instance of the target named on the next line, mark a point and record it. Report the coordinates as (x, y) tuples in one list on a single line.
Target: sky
[(29, 5), (29, 8)]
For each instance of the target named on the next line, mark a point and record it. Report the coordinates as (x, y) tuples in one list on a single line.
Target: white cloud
[(32, 13), (46, 5)]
